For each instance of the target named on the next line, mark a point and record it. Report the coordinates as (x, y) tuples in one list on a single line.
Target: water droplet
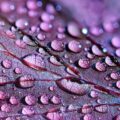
[(93, 94), (96, 30), (90, 55), (28, 41), (30, 100), (31, 4), (110, 26), (7, 63), (26, 81), (21, 23), (54, 61), (18, 70), (96, 50), (117, 52), (46, 17), (55, 100), (50, 9), (20, 44), (74, 87), (7, 6), (100, 66), (57, 45), (53, 116), (34, 61), (28, 111), (88, 117), (13, 100), (61, 36), (73, 29), (2, 95), (101, 108), (86, 108), (46, 26), (74, 46), (5, 107), (116, 41), (41, 36), (44, 99), (115, 75), (84, 63), (109, 62), (118, 84)]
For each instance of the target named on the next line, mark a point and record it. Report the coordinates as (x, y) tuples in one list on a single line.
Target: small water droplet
[(73, 29), (57, 45), (86, 108), (116, 41), (109, 62), (88, 117), (55, 100), (46, 26), (44, 99), (54, 61), (41, 36), (100, 66), (5, 108), (117, 52), (21, 23), (53, 116), (118, 84), (46, 17), (13, 100), (2, 95), (7, 63), (84, 63), (96, 50), (30, 100), (18, 70), (28, 41), (28, 111), (74, 46), (93, 94), (115, 75)]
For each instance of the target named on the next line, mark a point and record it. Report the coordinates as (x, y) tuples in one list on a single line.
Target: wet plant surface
[(53, 69)]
